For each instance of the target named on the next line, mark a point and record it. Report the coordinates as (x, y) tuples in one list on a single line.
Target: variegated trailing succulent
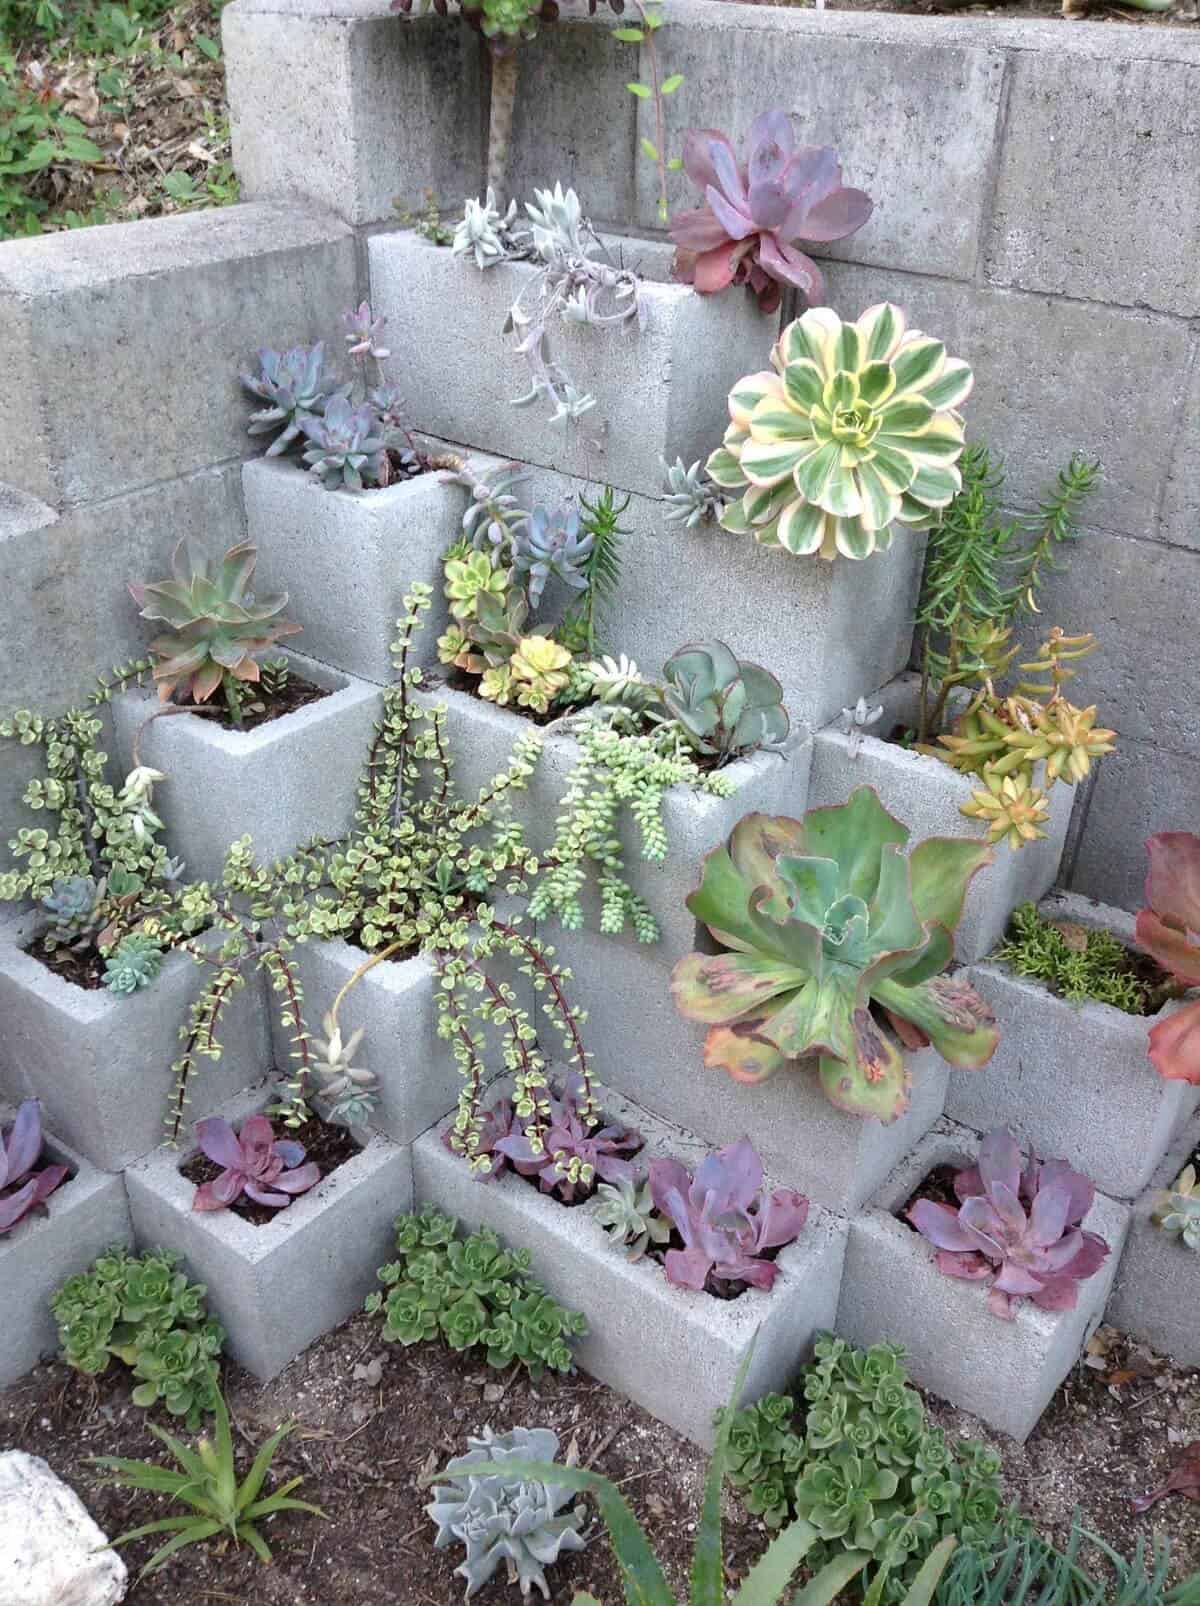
[(853, 429), (835, 942)]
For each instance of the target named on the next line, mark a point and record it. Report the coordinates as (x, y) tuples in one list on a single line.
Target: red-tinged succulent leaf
[(46, 1180), (910, 1036), (876, 1083), (743, 1052), (15, 1205), (1175, 950), (949, 1012), (971, 1267), (1184, 1478), (22, 1142), (721, 988), (219, 1142), (1175, 1045), (1173, 879), (299, 1180), (218, 1194), (941, 1226)]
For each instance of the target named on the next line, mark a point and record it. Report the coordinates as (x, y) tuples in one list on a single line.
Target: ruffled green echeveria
[(852, 431), (825, 917)]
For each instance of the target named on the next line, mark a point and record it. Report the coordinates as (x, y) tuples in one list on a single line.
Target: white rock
[(49, 1545)]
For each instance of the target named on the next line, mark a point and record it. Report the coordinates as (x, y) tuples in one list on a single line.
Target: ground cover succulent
[(22, 1189), (1168, 928), (268, 1170)]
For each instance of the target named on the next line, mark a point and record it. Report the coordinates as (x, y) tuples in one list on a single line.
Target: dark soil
[(83, 969), (375, 1417), (330, 1146), (938, 1187), (263, 706), (1018, 10)]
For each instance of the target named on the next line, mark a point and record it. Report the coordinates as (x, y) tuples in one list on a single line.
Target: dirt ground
[(374, 1417)]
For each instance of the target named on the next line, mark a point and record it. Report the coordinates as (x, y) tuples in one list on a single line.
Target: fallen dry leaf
[(1184, 1478)]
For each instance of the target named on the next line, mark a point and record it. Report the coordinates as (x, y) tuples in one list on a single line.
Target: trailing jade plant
[(474, 1294), (143, 1311), (1017, 1227), (270, 1171), (1176, 1209), (854, 430), (754, 213), (1167, 930), (503, 1521), (726, 1219), (824, 921), (22, 1187), (568, 1151)]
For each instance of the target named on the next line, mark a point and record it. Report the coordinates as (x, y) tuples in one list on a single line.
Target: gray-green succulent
[(691, 497), (626, 1212), (1177, 1209), (134, 963), (725, 706)]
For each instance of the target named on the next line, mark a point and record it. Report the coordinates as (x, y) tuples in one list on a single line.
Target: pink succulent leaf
[(289, 1151), (257, 1136), (792, 266), (839, 214), (715, 270), (772, 141), (1173, 880), (1060, 1293), (15, 1205), (219, 1142), (768, 204), (1081, 1189), (1089, 1258), (1175, 1044), (730, 180), (941, 1226), (667, 1178), (1057, 1257), (1000, 1304), (697, 230), (687, 1268), (980, 1215), (1176, 950), (215, 1195), (46, 1181), (732, 1176), (968, 1182), (1000, 1161), (970, 1268), (779, 1219), (738, 224), (698, 164), (1050, 1213), (1013, 1279), (22, 1142), (300, 1180), (758, 1273), (265, 1196)]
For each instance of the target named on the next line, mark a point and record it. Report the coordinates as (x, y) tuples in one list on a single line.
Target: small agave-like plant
[(753, 215), (21, 1188), (724, 1218), (1177, 1209), (269, 1170), (215, 623), (553, 543), (504, 1520), (1168, 928), (855, 429), (822, 918), (725, 706), (294, 387), (346, 448), (1017, 1227), (626, 1211)]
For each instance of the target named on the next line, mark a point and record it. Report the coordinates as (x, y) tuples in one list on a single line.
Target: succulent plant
[(295, 387), (269, 1170), (825, 917), (22, 1189), (619, 682), (854, 430), (468, 578), (134, 963), (363, 330), (1177, 1209), (494, 517), (725, 706), (345, 447), (77, 908), (496, 685), (857, 720), (539, 670), (1013, 808), (573, 1149), (501, 1520), (1018, 1227), (626, 1212), (1168, 928), (216, 624), (752, 217), (839, 1494), (691, 499), (496, 631), (724, 1218), (349, 1090), (558, 223), (553, 543), (485, 233)]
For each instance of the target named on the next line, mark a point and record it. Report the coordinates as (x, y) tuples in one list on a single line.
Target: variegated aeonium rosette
[(824, 918), (852, 429)]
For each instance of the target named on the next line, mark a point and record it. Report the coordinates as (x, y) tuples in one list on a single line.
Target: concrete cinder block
[(84, 1216), (1120, 1115), (914, 119), (1140, 789), (661, 389), (672, 1351), (1181, 506), (1157, 1289), (645, 1049), (283, 782), (121, 312), (927, 795), (1005, 1372), (1044, 388), (1105, 129), (376, 107), (101, 1063), (277, 1287)]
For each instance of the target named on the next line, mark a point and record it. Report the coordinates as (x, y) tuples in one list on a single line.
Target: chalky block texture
[(51, 1552)]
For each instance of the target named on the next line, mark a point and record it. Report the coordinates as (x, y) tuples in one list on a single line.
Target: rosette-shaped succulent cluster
[(505, 1520), (1177, 1209), (574, 1147), (725, 706), (344, 446), (268, 1170), (823, 918), (294, 386), (553, 543), (134, 963), (1017, 1226), (1168, 928), (626, 1211), (853, 429), (22, 1189), (754, 214)]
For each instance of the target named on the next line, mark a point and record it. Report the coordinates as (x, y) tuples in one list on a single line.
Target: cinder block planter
[(1005, 1372), (101, 1063), (660, 389), (1075, 1080), (1157, 1291), (926, 795), (82, 1218), (277, 1287), (673, 1351), (282, 783), (346, 558)]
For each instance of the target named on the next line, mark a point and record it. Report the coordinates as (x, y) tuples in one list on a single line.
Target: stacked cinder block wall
[(1037, 206)]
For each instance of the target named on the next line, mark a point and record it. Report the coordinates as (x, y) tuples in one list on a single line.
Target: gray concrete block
[(1181, 505), (645, 1049), (101, 1064), (277, 1287), (927, 795), (672, 1351), (1107, 131), (282, 783), (1140, 789), (1120, 1116), (353, 106), (1046, 385), (1005, 1372), (130, 311), (1157, 1290), (85, 1215), (660, 389), (913, 116)]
